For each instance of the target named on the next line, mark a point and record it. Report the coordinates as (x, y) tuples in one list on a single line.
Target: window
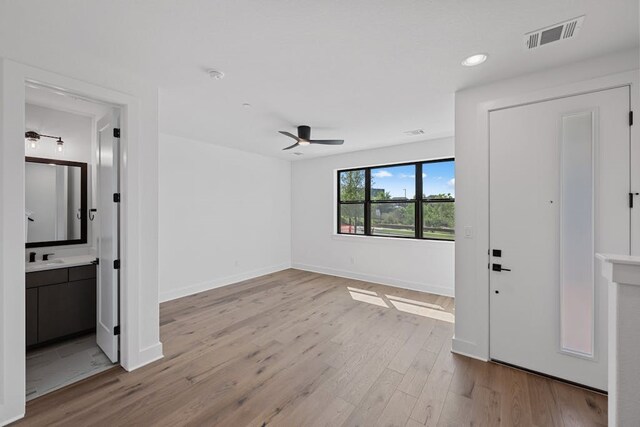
[(410, 200)]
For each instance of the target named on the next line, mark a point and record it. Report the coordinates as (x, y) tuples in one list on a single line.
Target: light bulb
[(60, 146), (474, 60), (303, 142), (33, 139)]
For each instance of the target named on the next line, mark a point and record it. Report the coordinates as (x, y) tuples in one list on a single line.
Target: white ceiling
[(362, 70)]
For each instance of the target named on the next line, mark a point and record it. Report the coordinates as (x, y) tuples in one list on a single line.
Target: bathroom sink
[(50, 264)]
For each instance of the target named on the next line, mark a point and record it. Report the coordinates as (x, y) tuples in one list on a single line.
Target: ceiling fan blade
[(289, 134), (327, 141), (291, 146)]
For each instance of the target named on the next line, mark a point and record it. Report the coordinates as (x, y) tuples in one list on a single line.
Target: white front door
[(559, 189), (108, 248)]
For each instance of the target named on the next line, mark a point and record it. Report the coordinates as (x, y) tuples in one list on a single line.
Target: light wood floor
[(302, 349)]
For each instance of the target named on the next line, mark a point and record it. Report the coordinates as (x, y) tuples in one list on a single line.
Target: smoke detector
[(215, 74), (414, 132), (558, 32)]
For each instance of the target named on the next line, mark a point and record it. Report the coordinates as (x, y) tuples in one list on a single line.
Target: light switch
[(468, 232)]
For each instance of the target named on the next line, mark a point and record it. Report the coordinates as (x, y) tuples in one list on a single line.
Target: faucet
[(32, 257), (45, 257)]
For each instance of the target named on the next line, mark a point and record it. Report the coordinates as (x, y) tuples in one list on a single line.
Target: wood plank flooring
[(302, 349)]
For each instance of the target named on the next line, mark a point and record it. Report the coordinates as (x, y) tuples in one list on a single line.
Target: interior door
[(108, 240), (559, 188)]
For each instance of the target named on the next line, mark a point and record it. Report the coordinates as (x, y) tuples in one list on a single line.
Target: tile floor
[(53, 367)]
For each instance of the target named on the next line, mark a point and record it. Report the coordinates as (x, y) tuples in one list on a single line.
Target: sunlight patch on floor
[(423, 311), (368, 299), (406, 305), (363, 291), (412, 301)]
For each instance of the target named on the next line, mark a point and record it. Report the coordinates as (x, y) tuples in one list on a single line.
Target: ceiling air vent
[(414, 132), (554, 33)]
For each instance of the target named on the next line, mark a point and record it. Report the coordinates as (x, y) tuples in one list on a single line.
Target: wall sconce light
[(33, 141)]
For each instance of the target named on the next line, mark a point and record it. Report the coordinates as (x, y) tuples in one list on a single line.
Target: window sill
[(383, 239)]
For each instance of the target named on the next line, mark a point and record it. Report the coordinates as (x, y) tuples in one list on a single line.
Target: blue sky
[(437, 178)]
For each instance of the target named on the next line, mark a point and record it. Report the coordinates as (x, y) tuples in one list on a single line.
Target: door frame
[(480, 348), (13, 77)]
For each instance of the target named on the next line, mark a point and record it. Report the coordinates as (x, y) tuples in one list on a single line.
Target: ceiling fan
[(304, 138)]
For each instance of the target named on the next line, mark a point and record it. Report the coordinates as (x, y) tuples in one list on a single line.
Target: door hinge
[(116, 132), (116, 264), (116, 197), (116, 330), (631, 198), (630, 118)]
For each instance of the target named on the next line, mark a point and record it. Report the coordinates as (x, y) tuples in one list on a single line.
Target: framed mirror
[(55, 202)]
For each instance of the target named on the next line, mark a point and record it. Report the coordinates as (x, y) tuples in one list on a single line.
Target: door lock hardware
[(497, 253), (498, 267)]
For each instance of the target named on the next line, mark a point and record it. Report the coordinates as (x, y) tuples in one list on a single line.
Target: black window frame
[(419, 200)]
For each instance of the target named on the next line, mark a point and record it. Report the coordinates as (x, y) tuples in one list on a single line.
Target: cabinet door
[(66, 309), (32, 316)]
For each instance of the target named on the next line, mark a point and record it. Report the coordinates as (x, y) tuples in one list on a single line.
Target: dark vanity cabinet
[(32, 317), (60, 303)]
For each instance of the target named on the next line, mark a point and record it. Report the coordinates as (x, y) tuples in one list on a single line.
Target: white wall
[(74, 129), (472, 171), (224, 216), (414, 264)]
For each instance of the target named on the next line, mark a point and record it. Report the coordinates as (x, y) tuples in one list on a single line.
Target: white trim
[(465, 348), (381, 280), (218, 283), (9, 421), (146, 356)]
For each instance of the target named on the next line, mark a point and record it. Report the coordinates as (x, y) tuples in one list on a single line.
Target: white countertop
[(65, 262), (619, 259)]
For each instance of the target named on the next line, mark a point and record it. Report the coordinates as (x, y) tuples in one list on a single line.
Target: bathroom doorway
[(72, 250)]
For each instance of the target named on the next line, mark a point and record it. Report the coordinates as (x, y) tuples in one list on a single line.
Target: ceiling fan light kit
[(304, 138)]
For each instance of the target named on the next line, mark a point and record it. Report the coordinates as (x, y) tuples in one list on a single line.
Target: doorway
[(559, 177), (72, 238)]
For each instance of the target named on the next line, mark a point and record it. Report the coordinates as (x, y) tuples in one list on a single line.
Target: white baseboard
[(217, 283), (468, 349), (146, 356), (11, 420), (389, 281)]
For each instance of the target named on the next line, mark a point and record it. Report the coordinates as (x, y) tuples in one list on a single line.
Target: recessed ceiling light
[(474, 60), (215, 74), (298, 153), (246, 105)]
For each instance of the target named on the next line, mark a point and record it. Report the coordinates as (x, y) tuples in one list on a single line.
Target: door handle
[(498, 267)]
